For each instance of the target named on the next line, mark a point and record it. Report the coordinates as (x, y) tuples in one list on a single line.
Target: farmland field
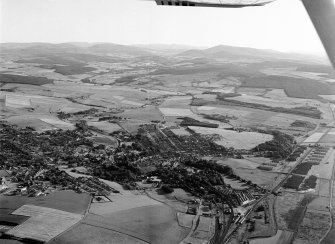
[(179, 112), (294, 87), (158, 223), (68, 201), (44, 223), (89, 234)]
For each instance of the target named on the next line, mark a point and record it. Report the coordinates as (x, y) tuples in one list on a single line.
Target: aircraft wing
[(214, 3), (321, 12)]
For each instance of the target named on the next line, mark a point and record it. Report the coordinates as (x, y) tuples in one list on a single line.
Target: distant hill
[(85, 48), (234, 53)]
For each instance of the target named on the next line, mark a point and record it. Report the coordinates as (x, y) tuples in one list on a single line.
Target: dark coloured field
[(303, 168), (21, 79), (64, 200), (294, 87), (294, 182), (7, 219), (69, 69)]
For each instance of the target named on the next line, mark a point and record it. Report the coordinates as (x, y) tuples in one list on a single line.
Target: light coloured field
[(314, 137), (31, 120), (88, 234), (328, 97), (185, 220), (121, 203), (204, 223), (237, 140), (58, 123), (17, 101), (324, 169), (154, 224), (281, 102), (147, 113), (259, 177), (180, 132), (227, 89), (319, 204), (292, 72), (281, 237), (105, 126), (323, 187), (176, 112), (246, 163), (236, 184), (44, 223)]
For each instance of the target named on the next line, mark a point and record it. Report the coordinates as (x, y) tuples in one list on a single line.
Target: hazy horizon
[(282, 26)]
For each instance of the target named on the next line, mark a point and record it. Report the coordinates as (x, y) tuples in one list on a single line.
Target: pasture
[(68, 201)]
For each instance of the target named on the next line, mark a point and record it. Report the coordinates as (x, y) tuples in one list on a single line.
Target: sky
[(282, 25)]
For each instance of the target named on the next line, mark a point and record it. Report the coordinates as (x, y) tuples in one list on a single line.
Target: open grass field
[(68, 201), (58, 123), (154, 224), (314, 137), (147, 113), (185, 220), (204, 223), (17, 101), (237, 140), (236, 184), (259, 177), (323, 187), (121, 203), (319, 204), (313, 227), (44, 223), (291, 208), (246, 163), (329, 239), (104, 126), (281, 237), (179, 112), (177, 102), (90, 234)]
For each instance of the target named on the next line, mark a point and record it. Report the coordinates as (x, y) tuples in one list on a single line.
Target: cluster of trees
[(203, 164), (278, 148), (197, 183)]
